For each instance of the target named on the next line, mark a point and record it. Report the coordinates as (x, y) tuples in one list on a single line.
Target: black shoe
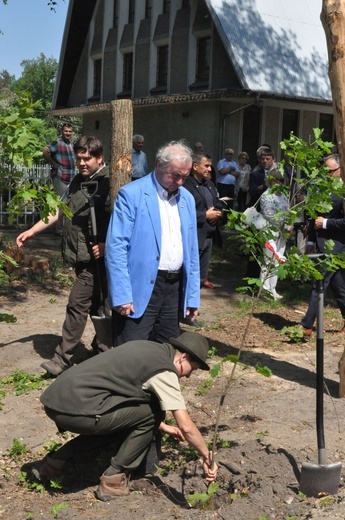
[(53, 368), (191, 323)]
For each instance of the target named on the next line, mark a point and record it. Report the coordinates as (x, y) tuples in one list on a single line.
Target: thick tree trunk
[(333, 21), (121, 145)]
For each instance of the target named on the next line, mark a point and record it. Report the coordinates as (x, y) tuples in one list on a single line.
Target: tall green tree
[(38, 78), (6, 79)]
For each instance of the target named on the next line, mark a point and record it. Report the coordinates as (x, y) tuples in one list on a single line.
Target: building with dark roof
[(224, 72)]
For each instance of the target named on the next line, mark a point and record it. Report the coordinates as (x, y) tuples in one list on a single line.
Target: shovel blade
[(103, 328), (319, 479)]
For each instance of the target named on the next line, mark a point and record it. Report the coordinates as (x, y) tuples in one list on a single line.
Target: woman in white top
[(273, 207), (242, 184)]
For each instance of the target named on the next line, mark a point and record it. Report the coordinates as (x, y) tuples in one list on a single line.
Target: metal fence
[(15, 177)]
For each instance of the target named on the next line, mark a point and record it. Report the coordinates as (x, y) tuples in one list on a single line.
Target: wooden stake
[(121, 145)]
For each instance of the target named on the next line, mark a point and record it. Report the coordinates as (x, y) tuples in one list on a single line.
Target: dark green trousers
[(130, 428)]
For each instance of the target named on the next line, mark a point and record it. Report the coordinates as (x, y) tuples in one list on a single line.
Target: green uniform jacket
[(76, 248), (113, 378)]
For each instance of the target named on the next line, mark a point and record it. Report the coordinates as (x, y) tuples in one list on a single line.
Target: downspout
[(257, 98)]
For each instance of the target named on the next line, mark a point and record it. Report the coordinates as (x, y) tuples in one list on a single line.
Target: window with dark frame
[(203, 59), (127, 71), (131, 11), (97, 78), (148, 9), (162, 66), (166, 6), (115, 13)]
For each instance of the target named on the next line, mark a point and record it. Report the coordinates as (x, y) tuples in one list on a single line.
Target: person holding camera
[(207, 213)]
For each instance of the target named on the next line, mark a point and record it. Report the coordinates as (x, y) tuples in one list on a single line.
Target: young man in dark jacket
[(78, 249)]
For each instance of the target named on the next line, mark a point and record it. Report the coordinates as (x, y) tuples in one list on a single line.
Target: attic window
[(166, 6), (127, 71), (115, 13), (203, 59), (97, 78), (148, 9), (162, 65), (131, 11)]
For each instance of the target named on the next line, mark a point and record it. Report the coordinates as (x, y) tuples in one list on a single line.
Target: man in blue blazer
[(151, 253)]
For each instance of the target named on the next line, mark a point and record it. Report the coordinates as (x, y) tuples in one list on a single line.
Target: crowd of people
[(150, 259)]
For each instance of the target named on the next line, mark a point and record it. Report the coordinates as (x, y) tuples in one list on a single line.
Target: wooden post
[(333, 21), (120, 145)]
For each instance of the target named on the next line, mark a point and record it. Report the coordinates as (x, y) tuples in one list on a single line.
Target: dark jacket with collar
[(335, 229), (256, 179), (195, 188), (76, 247)]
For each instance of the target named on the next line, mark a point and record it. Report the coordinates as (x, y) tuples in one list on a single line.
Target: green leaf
[(329, 246), (263, 370), (214, 371), (7, 318)]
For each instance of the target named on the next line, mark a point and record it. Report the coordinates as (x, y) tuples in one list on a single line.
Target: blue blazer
[(133, 245)]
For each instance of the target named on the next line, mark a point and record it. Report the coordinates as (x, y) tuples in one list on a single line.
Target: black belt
[(170, 275)]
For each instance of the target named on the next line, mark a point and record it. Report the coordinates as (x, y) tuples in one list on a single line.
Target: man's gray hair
[(173, 151), (197, 157), (334, 156), (137, 137)]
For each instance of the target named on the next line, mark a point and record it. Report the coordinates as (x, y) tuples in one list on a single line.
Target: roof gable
[(275, 46)]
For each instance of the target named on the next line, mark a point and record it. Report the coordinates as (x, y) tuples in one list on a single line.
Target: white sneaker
[(276, 296)]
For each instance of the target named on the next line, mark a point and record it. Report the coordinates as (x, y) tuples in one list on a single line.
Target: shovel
[(103, 322), (322, 478)]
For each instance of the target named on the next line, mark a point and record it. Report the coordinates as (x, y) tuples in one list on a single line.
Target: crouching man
[(120, 398)]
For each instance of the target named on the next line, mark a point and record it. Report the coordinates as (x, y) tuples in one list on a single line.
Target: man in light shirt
[(139, 159), (152, 257)]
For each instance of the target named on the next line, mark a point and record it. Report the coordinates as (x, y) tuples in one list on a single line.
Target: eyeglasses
[(229, 153), (335, 170)]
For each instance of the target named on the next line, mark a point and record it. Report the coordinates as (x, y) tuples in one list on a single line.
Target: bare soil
[(267, 426)]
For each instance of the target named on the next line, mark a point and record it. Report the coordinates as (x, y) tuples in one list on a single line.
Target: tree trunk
[(333, 21), (120, 146)]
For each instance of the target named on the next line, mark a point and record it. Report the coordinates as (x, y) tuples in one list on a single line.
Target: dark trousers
[(205, 257), (242, 200), (130, 428), (160, 321), (84, 300), (336, 281)]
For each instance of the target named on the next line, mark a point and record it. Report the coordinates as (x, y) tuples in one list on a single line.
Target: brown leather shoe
[(112, 487)]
